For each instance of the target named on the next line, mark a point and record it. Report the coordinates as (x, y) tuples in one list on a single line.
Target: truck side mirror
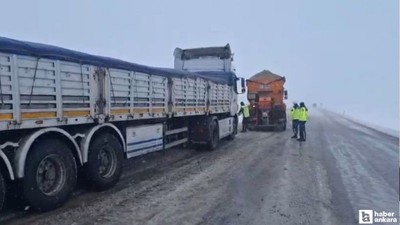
[(286, 94), (243, 85)]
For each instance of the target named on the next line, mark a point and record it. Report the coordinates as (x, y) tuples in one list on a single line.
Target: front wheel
[(104, 165), (50, 175)]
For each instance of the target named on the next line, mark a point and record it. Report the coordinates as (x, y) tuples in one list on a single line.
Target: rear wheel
[(50, 175), (104, 165), (214, 137), (280, 126), (198, 147)]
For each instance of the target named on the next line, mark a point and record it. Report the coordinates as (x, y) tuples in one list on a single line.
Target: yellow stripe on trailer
[(119, 111), (126, 111), (76, 113), (203, 109), (158, 110), (185, 110), (44, 115), (6, 116), (38, 115), (141, 111)]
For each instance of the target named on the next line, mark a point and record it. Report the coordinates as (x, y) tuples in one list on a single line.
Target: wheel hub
[(107, 162), (51, 175)]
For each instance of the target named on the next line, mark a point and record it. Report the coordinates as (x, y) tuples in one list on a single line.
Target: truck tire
[(104, 165), (214, 137), (50, 175), (2, 191), (280, 127), (198, 147)]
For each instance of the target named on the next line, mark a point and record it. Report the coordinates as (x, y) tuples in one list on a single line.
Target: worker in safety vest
[(303, 117), (295, 113), (245, 111)]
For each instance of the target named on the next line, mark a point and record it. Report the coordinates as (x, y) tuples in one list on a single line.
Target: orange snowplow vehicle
[(266, 94)]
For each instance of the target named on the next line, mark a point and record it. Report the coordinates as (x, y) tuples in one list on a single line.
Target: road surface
[(259, 178)]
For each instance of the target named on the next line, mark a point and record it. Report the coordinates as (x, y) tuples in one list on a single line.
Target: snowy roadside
[(381, 129)]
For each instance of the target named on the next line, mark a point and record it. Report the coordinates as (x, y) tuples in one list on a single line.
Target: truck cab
[(216, 62)]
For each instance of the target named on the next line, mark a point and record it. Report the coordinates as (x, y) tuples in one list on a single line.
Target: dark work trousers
[(295, 127), (244, 124), (302, 128)]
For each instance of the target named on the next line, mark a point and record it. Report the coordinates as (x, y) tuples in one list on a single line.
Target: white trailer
[(62, 109)]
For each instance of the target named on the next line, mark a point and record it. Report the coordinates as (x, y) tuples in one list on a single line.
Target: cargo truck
[(266, 94), (64, 111)]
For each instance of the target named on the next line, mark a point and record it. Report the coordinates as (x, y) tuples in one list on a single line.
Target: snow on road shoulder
[(381, 129)]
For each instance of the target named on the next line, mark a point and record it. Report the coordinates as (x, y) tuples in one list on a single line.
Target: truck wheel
[(198, 147), (2, 191), (279, 127), (214, 139), (104, 165), (50, 175)]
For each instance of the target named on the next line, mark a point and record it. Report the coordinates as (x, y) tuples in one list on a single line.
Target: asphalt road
[(258, 178)]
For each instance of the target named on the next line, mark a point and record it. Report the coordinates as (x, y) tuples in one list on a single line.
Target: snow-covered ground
[(384, 129), (257, 178)]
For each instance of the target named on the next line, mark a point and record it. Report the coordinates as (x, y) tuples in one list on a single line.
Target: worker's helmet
[(241, 103)]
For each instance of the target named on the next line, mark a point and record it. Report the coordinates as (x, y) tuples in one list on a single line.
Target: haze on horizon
[(341, 53)]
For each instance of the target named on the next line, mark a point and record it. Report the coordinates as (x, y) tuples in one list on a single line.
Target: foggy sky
[(341, 53)]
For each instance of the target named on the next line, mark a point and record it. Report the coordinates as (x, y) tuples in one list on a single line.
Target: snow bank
[(385, 130)]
